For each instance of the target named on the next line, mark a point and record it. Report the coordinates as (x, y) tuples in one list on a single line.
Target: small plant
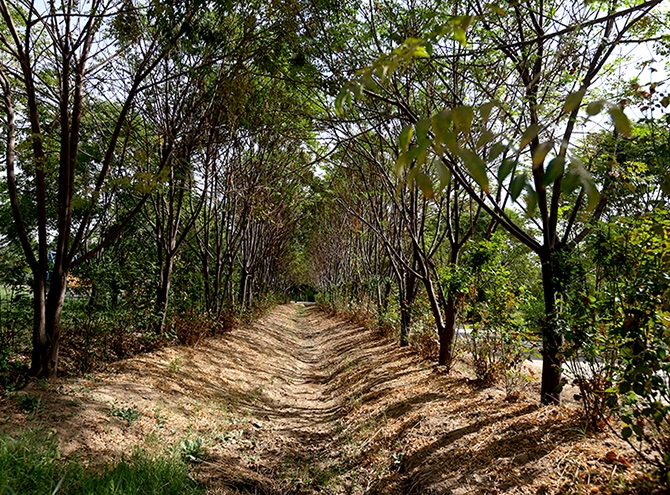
[(128, 414), (175, 365), (192, 450), (29, 404), (233, 436), (397, 457)]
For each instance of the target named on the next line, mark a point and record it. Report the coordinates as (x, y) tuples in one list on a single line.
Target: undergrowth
[(31, 464)]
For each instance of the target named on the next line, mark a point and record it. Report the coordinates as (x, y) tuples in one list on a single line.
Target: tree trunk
[(163, 294), (449, 331), (552, 339), (446, 352), (46, 324), (406, 304), (445, 341), (243, 287)]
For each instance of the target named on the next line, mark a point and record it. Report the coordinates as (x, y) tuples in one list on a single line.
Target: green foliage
[(589, 350), (192, 450), (29, 403), (640, 322), (30, 464), (499, 340), (126, 413), (618, 329)]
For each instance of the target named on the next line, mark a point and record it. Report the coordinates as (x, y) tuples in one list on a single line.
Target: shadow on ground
[(300, 403)]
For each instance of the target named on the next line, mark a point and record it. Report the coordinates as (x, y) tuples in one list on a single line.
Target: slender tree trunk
[(385, 296), (406, 304), (405, 322), (243, 287), (46, 323), (552, 339), (446, 353), (163, 293)]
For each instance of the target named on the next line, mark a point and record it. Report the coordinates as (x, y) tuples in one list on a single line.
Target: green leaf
[(411, 175), (540, 153), (517, 186), (425, 184), (571, 181), (626, 433), (463, 116), (485, 138), (459, 35), (405, 137), (573, 100), (496, 150), (485, 110), (400, 164), (592, 194), (529, 134), (464, 21), (505, 168), (620, 120), (420, 52), (496, 8), (452, 143), (531, 201), (441, 125), (344, 94), (554, 170), (595, 107), (443, 174), (476, 168), (422, 128)]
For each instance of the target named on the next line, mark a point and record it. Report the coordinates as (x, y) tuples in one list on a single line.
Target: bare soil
[(300, 403)]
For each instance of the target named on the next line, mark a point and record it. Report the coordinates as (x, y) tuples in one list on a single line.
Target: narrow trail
[(302, 403)]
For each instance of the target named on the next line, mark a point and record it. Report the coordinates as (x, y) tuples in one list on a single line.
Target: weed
[(397, 457), (128, 414), (30, 404), (91, 376), (160, 417), (233, 436), (175, 365), (192, 450)]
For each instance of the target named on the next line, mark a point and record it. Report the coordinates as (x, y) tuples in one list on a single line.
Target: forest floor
[(299, 402)]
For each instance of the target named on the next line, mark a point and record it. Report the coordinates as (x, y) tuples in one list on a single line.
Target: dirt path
[(300, 403)]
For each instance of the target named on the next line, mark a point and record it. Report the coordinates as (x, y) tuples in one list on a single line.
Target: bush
[(499, 341), (617, 316)]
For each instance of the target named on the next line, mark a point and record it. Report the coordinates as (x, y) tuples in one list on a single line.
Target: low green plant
[(128, 414), (29, 404), (192, 450), (30, 464), (175, 365)]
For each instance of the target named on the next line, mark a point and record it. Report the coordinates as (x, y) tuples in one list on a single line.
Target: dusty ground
[(302, 403)]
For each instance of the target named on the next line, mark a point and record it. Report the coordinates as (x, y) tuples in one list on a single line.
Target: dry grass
[(302, 403)]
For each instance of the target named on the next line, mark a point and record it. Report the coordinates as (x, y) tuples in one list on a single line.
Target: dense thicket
[(498, 171)]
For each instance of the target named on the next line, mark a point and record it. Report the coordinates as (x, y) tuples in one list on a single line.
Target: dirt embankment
[(301, 403)]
